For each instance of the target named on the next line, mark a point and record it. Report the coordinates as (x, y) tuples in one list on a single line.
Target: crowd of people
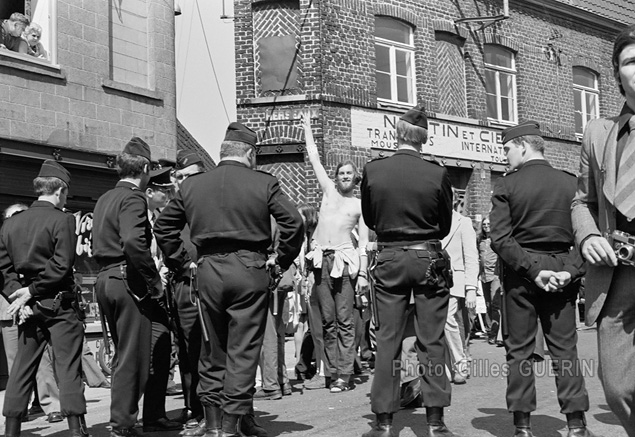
[(388, 280)]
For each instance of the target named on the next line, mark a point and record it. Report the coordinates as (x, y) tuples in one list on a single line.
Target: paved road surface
[(478, 408)]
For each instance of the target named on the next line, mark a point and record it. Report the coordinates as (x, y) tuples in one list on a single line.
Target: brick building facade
[(356, 65), (109, 75)]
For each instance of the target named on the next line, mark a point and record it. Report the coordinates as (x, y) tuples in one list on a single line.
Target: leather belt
[(432, 245)]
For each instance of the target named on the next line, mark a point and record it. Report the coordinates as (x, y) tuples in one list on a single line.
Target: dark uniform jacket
[(228, 209), (122, 234), (37, 248), (411, 198), (532, 213)]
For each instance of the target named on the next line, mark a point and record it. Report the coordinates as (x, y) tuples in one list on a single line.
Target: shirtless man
[(339, 267)]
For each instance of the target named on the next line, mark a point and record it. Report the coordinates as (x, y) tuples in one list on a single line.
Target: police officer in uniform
[(228, 211), (189, 325), (37, 253), (129, 290), (531, 232), (409, 220)]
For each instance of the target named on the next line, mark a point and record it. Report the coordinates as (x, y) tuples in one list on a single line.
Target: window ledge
[(388, 104), (131, 89), (20, 61), (501, 123)]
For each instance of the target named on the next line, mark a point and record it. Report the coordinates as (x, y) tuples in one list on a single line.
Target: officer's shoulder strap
[(570, 173), (265, 172)]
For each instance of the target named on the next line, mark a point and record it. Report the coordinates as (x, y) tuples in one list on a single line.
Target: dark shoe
[(267, 395), (163, 424), (340, 386), (77, 426), (229, 426), (411, 394), (381, 430), (438, 429), (123, 432), (286, 390), (523, 432), (12, 427), (35, 410), (55, 417), (580, 432), (198, 430), (249, 427)]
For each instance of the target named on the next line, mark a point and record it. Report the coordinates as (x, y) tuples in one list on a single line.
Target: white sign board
[(376, 130)]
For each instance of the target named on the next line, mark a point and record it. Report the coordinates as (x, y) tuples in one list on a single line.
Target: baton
[(374, 312), (275, 275), (104, 329), (194, 286)]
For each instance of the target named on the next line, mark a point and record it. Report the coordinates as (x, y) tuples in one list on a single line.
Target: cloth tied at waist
[(344, 253)]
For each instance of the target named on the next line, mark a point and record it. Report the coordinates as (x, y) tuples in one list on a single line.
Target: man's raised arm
[(314, 156)]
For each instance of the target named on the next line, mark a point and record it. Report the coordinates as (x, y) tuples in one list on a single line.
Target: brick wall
[(72, 108), (338, 74)]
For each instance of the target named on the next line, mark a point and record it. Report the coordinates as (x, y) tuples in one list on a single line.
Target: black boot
[(522, 422), (77, 426), (436, 427), (383, 427), (12, 427), (577, 425), (248, 426)]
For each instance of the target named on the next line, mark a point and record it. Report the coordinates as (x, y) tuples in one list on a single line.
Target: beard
[(345, 187)]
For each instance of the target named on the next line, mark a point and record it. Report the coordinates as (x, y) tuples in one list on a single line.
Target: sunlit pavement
[(478, 407)]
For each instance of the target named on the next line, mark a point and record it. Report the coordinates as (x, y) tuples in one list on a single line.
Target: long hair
[(357, 178)]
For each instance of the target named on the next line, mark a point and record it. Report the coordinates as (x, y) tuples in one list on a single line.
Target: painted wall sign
[(292, 114), (83, 229), (376, 130)]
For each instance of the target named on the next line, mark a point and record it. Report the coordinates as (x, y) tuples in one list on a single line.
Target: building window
[(129, 43), (394, 52), (43, 13), (585, 97), (500, 84)]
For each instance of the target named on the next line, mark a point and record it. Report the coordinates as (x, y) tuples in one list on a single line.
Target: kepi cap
[(416, 116), (239, 132), (529, 127), (160, 177), (185, 158), (137, 147), (52, 169)]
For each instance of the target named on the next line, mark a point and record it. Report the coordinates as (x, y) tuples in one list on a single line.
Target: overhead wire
[(209, 53), (187, 51)]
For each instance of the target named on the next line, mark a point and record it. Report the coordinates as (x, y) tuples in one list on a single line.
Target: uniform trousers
[(131, 332), (233, 290), (616, 337), (336, 297), (525, 303), (63, 330), (190, 335), (159, 372), (399, 273), (274, 370)]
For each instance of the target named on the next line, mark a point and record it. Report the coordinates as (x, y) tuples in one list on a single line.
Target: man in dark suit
[(532, 234), (37, 253), (228, 211), (604, 203), (129, 291), (409, 220)]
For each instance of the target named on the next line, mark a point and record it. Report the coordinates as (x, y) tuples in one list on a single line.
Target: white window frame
[(49, 27), (393, 46), (498, 69), (584, 90)]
